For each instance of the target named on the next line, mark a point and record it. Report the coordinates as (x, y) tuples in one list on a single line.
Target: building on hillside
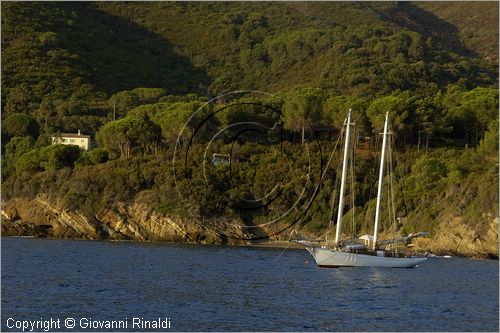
[(225, 159), (78, 139), (221, 159)]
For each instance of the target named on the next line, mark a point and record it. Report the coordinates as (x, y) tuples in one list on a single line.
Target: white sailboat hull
[(332, 258)]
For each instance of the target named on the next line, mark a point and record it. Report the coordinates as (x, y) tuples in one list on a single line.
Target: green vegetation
[(20, 124), (477, 32), (133, 74), (47, 158)]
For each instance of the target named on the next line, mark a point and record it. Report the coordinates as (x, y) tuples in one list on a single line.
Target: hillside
[(130, 74), (259, 45), (477, 31), (63, 60)]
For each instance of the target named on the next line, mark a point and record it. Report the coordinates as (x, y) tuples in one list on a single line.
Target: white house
[(80, 140)]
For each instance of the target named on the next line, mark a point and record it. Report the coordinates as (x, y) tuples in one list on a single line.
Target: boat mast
[(380, 180), (344, 173)]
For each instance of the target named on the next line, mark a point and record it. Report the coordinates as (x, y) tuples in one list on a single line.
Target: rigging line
[(320, 180), (324, 172), (334, 197), (287, 247), (346, 155), (279, 255), (391, 180), (330, 158), (290, 244), (390, 186), (373, 181), (353, 152), (332, 206), (388, 182), (335, 189), (405, 202)]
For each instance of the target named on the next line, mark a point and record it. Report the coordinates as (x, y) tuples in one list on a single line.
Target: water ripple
[(209, 288)]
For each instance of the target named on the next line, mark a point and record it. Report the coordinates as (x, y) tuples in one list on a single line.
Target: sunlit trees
[(303, 110), (48, 158), (399, 106), (129, 132), (335, 111), (430, 120), (470, 112)]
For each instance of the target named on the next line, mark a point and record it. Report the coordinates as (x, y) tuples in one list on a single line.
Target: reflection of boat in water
[(357, 253)]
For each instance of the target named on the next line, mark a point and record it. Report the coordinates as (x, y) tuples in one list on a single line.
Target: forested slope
[(475, 29), (69, 66)]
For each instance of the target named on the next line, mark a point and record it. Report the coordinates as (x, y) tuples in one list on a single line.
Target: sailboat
[(359, 254)]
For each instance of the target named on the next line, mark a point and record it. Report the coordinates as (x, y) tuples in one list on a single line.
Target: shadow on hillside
[(121, 55), (443, 34)]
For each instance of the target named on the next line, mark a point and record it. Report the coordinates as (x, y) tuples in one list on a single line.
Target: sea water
[(64, 285)]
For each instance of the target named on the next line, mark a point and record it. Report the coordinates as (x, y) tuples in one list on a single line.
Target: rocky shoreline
[(42, 217)]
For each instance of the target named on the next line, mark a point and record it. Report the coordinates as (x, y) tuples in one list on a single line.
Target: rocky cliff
[(458, 238), (44, 218)]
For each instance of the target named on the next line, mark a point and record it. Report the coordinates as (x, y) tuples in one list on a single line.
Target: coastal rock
[(137, 221), (42, 217), (456, 237)]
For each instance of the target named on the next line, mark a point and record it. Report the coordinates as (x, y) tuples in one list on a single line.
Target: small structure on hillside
[(224, 159), (220, 159), (77, 139)]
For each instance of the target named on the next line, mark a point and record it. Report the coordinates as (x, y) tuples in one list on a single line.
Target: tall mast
[(344, 173), (380, 180)]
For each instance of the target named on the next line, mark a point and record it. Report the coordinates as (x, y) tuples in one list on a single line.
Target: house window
[(71, 140), (81, 140)]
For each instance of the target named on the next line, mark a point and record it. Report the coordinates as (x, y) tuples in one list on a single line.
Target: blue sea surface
[(223, 288)]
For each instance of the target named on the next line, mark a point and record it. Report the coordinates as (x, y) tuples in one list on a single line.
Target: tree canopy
[(67, 67)]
